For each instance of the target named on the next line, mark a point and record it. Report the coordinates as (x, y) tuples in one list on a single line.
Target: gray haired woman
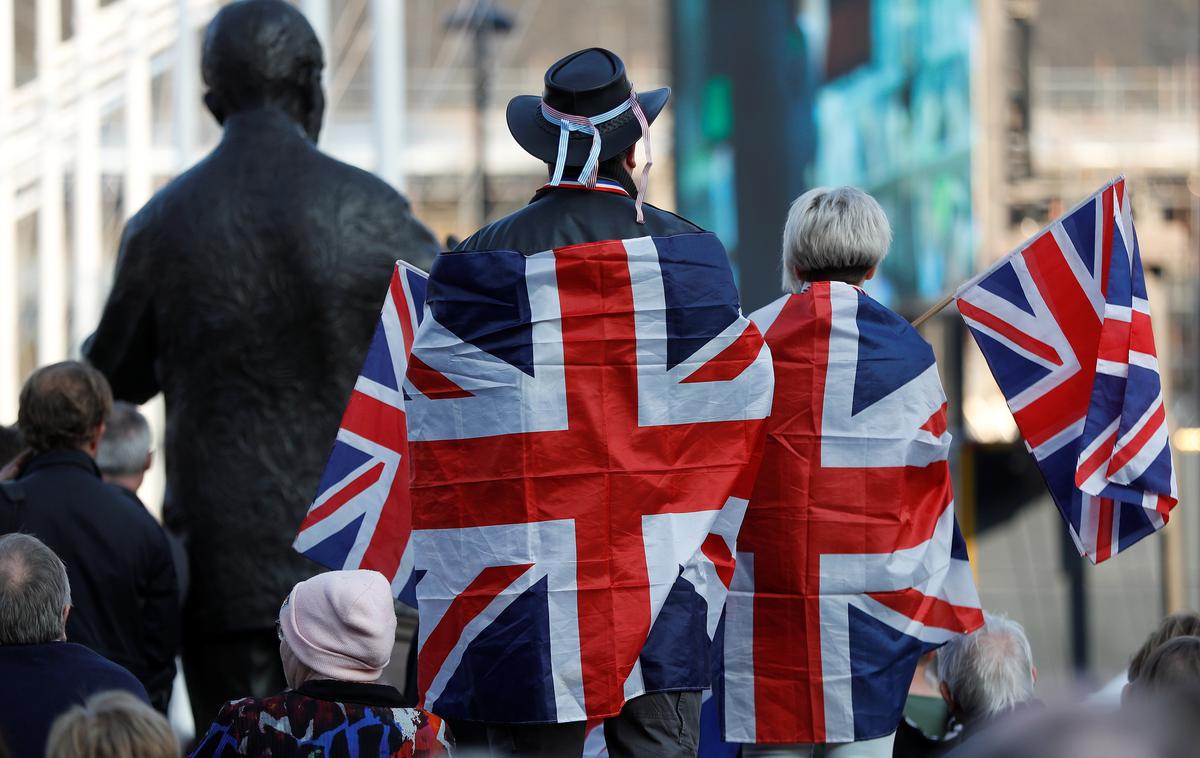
[(855, 462), (833, 234)]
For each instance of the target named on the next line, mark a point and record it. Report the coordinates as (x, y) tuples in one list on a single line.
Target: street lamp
[(481, 20)]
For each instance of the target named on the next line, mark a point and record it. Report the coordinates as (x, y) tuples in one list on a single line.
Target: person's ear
[(631, 157), (66, 612), (149, 460), (950, 704), (94, 443), (1033, 671), (870, 273)]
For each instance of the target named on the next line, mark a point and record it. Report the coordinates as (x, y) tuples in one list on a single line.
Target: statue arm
[(124, 344)]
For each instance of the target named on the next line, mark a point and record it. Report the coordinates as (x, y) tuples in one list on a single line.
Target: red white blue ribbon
[(569, 122)]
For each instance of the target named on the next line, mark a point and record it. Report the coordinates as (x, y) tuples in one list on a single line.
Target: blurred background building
[(975, 122)]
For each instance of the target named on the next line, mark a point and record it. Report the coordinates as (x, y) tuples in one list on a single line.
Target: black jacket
[(124, 597), (246, 291), (561, 216), (41, 682)]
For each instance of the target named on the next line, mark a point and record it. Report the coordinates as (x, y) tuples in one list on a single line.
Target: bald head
[(34, 592), (263, 54), (989, 671)]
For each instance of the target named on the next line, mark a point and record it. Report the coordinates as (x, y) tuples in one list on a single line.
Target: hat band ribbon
[(569, 122)]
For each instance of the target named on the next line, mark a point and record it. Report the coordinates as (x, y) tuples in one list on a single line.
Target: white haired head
[(988, 671), (834, 232)]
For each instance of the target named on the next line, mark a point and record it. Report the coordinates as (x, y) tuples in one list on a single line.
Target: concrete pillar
[(9, 308), (89, 282), (187, 86), (139, 180), (387, 89), (52, 261)]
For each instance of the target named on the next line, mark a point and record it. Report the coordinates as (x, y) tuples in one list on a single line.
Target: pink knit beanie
[(341, 624)]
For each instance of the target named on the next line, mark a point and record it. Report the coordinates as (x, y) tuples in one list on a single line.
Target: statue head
[(263, 54)]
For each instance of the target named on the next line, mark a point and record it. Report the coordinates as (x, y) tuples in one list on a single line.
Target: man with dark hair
[(246, 291), (10, 444), (43, 675), (126, 603)]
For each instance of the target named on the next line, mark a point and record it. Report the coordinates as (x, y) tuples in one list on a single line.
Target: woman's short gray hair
[(839, 229), (34, 590)]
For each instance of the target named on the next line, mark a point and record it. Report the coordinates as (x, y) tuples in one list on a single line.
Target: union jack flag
[(1064, 323), (361, 516), (585, 424), (850, 564)]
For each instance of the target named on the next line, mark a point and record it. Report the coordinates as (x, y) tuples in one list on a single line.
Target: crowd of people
[(253, 328)]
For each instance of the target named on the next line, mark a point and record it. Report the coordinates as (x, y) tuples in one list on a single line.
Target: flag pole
[(949, 298)]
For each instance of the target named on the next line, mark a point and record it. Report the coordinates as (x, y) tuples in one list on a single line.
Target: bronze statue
[(246, 291)]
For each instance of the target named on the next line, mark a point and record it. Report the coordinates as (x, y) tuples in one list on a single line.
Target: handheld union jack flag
[(361, 516), (1064, 323), (850, 564), (585, 424)]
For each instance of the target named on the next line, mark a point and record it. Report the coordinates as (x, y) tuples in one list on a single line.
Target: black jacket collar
[(56, 458), (363, 693)]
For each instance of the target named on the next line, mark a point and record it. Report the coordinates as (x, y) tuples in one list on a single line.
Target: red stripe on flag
[(432, 384), (717, 550), (1130, 449), (402, 305), (374, 420), (1026, 342), (463, 609), (348, 493), (1164, 506), (394, 526), (732, 361), (936, 425), (1094, 461), (929, 610), (1104, 530), (1141, 337), (1114, 341)]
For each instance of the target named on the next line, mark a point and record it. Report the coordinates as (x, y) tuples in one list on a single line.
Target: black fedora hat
[(586, 83)]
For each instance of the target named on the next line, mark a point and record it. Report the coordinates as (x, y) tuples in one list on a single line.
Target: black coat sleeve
[(124, 345), (160, 616)]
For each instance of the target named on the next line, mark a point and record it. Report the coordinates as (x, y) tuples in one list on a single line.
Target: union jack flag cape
[(361, 516), (585, 424), (1064, 323), (850, 564)]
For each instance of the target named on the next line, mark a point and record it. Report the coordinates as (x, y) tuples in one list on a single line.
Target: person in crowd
[(112, 724), (1161, 729), (1172, 666), (336, 633), (41, 674), (1184, 623), (247, 291), (986, 675), (10, 444), (924, 730), (125, 454), (827, 481), (575, 207), (126, 601)]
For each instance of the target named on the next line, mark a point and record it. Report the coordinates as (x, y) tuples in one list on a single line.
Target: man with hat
[(585, 127)]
